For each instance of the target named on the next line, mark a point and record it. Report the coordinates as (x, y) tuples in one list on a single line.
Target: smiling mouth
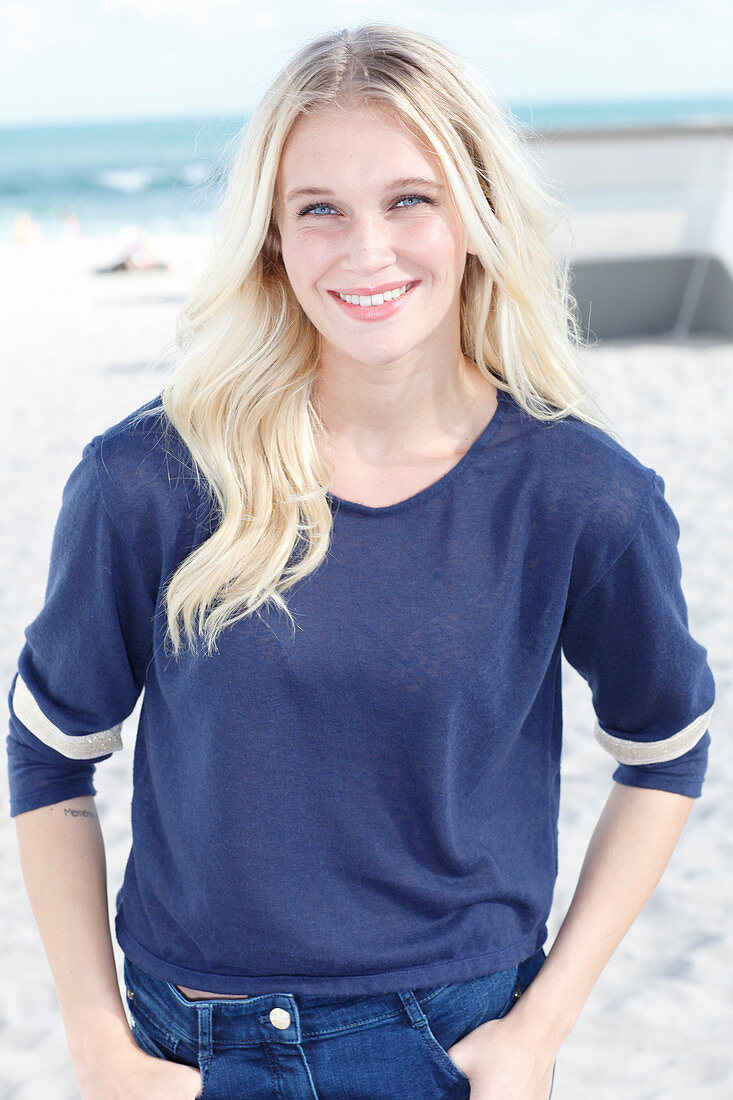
[(366, 300)]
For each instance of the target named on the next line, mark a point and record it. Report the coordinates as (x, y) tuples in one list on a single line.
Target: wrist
[(90, 1038), (547, 1019)]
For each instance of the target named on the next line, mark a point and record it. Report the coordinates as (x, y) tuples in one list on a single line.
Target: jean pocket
[(162, 1032), (156, 1050), (449, 1013), (436, 1049), (147, 1043)]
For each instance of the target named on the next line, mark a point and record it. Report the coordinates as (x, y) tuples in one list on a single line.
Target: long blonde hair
[(240, 395)]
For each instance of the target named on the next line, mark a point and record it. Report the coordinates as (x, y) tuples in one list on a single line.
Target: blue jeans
[(383, 1046)]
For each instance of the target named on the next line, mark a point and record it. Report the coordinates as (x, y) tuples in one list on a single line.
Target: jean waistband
[(286, 1017)]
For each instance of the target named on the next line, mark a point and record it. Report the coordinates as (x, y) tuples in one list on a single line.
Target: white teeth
[(374, 299)]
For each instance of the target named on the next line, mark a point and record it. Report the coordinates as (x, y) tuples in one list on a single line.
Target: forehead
[(358, 140)]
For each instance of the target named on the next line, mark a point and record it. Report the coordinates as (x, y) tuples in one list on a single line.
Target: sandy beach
[(76, 354)]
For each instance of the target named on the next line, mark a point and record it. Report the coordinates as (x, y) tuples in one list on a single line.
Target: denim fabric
[(385, 1046)]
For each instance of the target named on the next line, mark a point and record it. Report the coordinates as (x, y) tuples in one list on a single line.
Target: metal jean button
[(279, 1018)]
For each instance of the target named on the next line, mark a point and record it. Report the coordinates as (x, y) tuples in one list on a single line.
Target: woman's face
[(364, 212)]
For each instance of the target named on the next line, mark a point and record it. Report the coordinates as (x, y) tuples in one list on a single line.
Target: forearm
[(630, 848), (64, 868)]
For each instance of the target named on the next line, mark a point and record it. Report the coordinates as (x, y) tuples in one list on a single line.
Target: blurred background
[(117, 120)]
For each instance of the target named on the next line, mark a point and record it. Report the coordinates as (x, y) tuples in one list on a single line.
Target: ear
[(471, 250)]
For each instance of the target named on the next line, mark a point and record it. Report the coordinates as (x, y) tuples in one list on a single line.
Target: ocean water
[(162, 175), (166, 175), (622, 113)]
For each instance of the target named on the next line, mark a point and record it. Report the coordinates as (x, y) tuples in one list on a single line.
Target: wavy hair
[(241, 394)]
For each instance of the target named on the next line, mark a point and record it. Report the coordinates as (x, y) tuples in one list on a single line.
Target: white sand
[(74, 352)]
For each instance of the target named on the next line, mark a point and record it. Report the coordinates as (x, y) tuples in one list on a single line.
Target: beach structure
[(651, 225)]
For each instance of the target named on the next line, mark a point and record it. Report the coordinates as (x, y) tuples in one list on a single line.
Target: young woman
[(343, 555)]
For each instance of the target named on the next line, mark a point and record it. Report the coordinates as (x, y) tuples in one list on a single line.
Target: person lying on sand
[(138, 256)]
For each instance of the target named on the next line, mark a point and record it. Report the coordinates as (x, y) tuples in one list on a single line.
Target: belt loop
[(409, 1000), (205, 1031)]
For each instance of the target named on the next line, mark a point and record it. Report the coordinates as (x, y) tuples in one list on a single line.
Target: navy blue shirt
[(369, 802)]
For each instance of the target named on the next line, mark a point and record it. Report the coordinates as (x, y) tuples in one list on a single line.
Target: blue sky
[(96, 59)]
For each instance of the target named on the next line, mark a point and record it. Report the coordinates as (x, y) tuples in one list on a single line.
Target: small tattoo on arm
[(79, 813)]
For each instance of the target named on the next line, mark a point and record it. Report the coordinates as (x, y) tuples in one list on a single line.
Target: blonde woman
[(342, 556)]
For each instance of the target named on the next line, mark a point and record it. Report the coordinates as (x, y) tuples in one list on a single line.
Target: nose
[(369, 245)]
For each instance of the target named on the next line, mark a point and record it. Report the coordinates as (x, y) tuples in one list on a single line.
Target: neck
[(402, 407)]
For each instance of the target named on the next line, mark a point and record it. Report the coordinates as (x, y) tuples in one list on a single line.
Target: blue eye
[(315, 206), (418, 199), (411, 200)]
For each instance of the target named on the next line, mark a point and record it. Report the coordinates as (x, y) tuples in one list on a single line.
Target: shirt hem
[(50, 796), (446, 972)]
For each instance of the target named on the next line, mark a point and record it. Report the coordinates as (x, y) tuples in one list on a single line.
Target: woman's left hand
[(502, 1062)]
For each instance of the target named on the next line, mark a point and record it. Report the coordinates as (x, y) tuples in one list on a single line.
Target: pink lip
[(375, 313), (368, 291)]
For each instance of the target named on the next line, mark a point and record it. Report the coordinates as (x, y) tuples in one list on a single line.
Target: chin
[(385, 359), (379, 354)]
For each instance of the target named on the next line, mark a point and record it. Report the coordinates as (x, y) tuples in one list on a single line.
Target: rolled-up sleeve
[(628, 636), (82, 667)]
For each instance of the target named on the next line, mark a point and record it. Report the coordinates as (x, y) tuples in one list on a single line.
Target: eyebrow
[(393, 185)]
